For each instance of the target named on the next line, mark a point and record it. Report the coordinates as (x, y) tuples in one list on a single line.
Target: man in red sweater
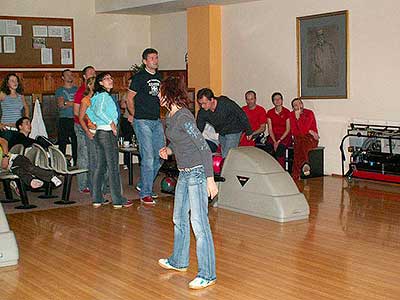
[(305, 133)]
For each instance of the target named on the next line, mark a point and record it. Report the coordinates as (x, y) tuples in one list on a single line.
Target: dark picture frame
[(322, 56)]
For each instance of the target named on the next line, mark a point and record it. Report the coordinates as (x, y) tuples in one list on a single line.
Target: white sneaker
[(56, 181), (163, 262), (200, 283)]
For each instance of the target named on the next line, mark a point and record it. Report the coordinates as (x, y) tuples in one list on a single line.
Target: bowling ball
[(168, 185), (218, 161)]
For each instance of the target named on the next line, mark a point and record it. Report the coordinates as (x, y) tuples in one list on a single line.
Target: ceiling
[(155, 7)]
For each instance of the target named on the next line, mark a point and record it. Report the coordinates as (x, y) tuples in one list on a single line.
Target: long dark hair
[(174, 91), (98, 88), (4, 85)]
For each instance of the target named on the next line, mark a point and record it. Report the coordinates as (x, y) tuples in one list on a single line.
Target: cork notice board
[(27, 42)]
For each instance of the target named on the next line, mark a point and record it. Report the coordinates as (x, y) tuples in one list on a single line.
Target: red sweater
[(78, 98), (305, 123)]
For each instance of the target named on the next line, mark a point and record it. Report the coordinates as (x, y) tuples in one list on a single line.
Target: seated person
[(279, 138), (211, 137), (257, 119), (21, 166), (305, 133)]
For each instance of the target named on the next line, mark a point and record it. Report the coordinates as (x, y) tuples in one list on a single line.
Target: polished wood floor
[(348, 249)]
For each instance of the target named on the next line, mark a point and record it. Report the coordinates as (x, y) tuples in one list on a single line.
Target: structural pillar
[(204, 48)]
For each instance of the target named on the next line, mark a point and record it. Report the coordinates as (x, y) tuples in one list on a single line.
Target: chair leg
[(8, 192), (66, 191), (48, 193), (24, 196)]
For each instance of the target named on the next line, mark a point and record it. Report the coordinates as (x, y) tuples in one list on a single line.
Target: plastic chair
[(59, 165), (40, 158), (17, 149), (6, 177)]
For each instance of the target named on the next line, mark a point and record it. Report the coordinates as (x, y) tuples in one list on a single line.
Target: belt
[(189, 169)]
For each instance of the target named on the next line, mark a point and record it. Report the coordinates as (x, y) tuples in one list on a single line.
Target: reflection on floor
[(348, 249)]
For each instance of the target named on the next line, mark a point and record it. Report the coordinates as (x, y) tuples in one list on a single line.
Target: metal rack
[(374, 152)]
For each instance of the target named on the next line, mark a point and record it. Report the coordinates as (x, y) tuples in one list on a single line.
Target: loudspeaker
[(315, 158)]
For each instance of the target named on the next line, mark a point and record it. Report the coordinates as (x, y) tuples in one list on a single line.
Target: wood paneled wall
[(43, 84), (46, 82)]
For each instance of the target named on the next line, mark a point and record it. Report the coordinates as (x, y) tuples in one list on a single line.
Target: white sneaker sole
[(169, 267), (199, 287)]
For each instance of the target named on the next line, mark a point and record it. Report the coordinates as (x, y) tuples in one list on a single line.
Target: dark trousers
[(302, 145), (279, 154), (66, 133), (126, 131), (26, 171)]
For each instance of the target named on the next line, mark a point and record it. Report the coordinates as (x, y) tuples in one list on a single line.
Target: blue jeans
[(191, 195), (107, 160), (84, 180), (92, 167), (228, 142), (150, 136)]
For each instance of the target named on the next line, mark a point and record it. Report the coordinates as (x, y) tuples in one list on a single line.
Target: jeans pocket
[(197, 176)]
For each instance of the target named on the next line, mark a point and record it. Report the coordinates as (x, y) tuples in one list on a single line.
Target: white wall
[(112, 42), (259, 52), (169, 37)]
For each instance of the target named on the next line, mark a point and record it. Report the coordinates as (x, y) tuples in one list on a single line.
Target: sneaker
[(138, 188), (36, 183), (85, 191), (154, 195), (200, 283), (126, 167), (163, 262), (147, 200), (306, 169), (14, 186), (56, 181), (98, 204), (128, 203)]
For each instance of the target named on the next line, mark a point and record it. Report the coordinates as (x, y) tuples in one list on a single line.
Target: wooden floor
[(348, 249)]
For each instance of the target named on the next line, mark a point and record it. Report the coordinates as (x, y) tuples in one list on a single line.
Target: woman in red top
[(279, 138), (305, 133)]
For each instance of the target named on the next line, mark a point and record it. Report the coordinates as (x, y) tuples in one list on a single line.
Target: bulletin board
[(29, 42)]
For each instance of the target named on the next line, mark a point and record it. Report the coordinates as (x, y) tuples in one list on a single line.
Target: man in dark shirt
[(228, 119), (144, 105)]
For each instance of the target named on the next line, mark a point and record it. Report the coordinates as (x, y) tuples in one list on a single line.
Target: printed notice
[(39, 31), (3, 27), (67, 34), (9, 44), (46, 56), (55, 31), (66, 56), (15, 30)]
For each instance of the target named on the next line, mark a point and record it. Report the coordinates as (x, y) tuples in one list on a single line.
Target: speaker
[(315, 158)]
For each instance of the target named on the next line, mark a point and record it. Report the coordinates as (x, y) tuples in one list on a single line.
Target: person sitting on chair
[(257, 118), (305, 134), (21, 166), (279, 138)]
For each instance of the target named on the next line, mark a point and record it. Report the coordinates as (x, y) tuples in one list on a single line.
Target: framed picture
[(322, 56)]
